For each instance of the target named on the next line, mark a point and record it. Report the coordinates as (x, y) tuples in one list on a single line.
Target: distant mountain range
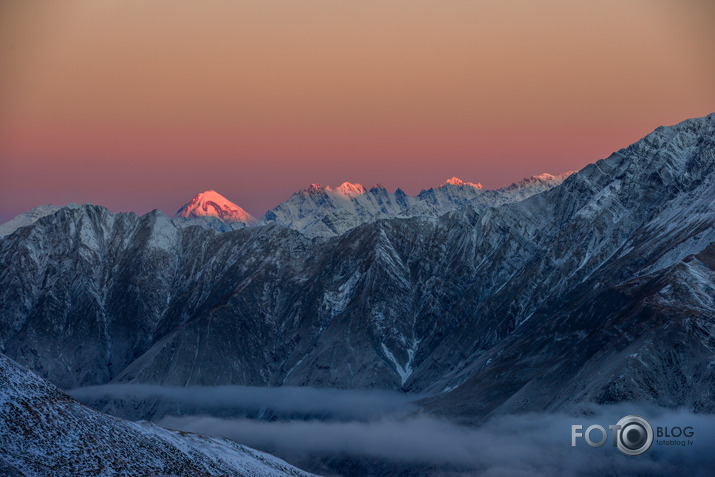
[(323, 211), (596, 286)]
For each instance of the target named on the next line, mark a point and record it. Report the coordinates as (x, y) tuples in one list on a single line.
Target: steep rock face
[(88, 292), (452, 194), (43, 431), (403, 303), (644, 208), (648, 340)]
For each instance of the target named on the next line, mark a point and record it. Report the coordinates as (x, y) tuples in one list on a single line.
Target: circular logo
[(635, 435)]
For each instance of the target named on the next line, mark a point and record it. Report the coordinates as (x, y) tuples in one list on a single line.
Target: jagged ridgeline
[(321, 211), (599, 288)]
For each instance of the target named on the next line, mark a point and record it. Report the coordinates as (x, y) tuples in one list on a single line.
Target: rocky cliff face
[(421, 303), (650, 339)]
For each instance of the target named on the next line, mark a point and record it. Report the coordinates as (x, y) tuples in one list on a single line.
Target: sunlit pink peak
[(540, 180), (546, 177), (213, 204), (549, 177), (459, 182), (351, 190)]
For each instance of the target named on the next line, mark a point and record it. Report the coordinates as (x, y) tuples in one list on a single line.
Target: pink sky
[(137, 105)]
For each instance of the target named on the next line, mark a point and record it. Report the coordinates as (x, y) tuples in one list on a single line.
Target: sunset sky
[(141, 104)]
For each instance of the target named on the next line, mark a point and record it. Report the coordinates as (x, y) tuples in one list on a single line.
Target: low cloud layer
[(305, 426), (529, 445), (333, 404)]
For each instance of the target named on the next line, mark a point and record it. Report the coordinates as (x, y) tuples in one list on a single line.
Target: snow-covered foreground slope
[(45, 432)]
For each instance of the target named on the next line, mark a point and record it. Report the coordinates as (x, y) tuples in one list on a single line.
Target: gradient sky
[(141, 104)]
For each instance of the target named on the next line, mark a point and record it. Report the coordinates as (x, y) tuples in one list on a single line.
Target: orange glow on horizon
[(137, 105)]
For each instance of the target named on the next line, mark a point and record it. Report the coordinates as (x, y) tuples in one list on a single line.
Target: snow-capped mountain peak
[(346, 189), (546, 177), (212, 204), (350, 190), (320, 210), (459, 182), (539, 182)]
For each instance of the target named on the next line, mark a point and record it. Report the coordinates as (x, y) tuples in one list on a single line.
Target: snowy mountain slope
[(208, 222), (407, 290), (323, 211), (643, 209), (452, 194), (320, 211), (520, 190), (43, 431), (455, 194), (63, 274), (212, 204), (29, 218), (648, 340), (410, 303)]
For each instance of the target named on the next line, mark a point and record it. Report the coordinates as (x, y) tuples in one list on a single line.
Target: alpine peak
[(551, 177), (350, 190), (459, 182), (212, 204)]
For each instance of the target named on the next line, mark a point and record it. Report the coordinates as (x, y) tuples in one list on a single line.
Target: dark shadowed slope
[(650, 340)]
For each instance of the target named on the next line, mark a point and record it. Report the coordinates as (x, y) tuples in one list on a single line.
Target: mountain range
[(596, 286), (323, 211), (326, 212)]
